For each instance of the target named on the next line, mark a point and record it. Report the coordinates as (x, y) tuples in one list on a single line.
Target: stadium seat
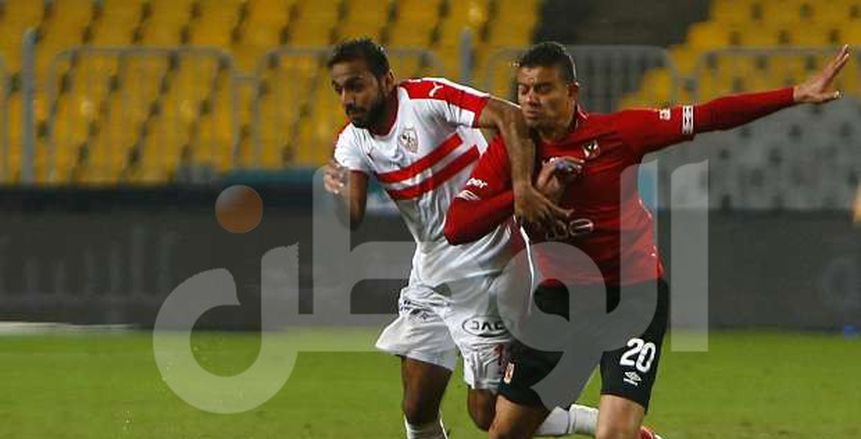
[(414, 23), (116, 25)]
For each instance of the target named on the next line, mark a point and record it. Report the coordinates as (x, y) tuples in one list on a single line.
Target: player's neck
[(559, 131)]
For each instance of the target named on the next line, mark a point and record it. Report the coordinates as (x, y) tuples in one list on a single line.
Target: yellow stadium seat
[(115, 27), (414, 23), (164, 26), (731, 11)]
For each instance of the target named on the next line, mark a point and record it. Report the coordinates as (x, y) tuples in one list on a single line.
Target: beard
[(368, 117)]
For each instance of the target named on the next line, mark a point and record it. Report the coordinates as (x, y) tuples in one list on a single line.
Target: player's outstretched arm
[(817, 89), (337, 179), (529, 204), (650, 130)]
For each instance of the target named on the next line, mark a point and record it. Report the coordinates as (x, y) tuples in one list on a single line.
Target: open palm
[(816, 90)]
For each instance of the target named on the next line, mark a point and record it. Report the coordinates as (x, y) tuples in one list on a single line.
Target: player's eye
[(543, 89)]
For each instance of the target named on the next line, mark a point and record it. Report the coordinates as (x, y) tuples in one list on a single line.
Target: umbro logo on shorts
[(632, 378)]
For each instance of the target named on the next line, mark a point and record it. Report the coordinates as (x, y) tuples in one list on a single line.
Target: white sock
[(432, 430), (584, 420), (557, 423), (578, 419)]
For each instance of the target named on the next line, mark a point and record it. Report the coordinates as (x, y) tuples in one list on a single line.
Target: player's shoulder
[(611, 121), (432, 88)]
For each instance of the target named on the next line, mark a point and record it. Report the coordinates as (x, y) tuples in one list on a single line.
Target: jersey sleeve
[(349, 154), (456, 104), (485, 202), (646, 131)]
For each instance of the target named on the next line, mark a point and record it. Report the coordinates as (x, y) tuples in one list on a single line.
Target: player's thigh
[(419, 332), (516, 421), (619, 418), (478, 331), (630, 371), (424, 385)]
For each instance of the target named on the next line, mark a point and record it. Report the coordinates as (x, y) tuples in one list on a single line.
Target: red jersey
[(610, 223)]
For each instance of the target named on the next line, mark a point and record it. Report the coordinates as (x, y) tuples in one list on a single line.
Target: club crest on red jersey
[(591, 150), (409, 140)]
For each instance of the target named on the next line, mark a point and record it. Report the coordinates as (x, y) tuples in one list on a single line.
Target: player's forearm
[(733, 111), (468, 221), (351, 201), (507, 119), (521, 150)]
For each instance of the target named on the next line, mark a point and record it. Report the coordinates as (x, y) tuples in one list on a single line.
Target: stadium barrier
[(113, 256), (607, 73)]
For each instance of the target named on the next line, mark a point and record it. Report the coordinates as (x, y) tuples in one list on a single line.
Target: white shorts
[(433, 324)]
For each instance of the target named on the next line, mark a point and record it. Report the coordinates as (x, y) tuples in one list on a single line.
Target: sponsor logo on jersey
[(481, 184), (632, 378), (665, 114), (409, 140), (484, 326), (576, 228)]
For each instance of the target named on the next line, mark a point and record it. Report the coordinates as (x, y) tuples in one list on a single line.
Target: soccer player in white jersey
[(420, 139)]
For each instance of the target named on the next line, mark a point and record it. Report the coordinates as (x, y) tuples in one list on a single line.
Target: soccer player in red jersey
[(587, 159)]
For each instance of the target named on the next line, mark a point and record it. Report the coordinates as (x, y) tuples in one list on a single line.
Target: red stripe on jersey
[(437, 179), (426, 89), (440, 152)]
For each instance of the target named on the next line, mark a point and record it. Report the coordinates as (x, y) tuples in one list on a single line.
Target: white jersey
[(423, 163)]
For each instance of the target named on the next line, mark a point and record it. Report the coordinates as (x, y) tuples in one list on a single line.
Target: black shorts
[(628, 372)]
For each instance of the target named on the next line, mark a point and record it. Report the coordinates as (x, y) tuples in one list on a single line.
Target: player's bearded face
[(545, 98), (363, 96)]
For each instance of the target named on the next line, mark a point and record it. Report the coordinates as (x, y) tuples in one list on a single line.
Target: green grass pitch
[(91, 385)]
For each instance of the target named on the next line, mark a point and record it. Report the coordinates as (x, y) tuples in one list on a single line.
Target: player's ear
[(574, 90), (389, 81)]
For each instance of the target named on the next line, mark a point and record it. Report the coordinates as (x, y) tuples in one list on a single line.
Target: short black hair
[(364, 49), (550, 54)]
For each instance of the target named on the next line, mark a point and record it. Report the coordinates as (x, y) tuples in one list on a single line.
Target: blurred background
[(121, 121)]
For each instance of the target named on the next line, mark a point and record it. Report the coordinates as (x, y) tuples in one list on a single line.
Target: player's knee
[(482, 418), (501, 431), (418, 412), (617, 431)]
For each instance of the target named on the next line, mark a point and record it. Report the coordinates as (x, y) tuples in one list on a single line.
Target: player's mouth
[(531, 114), (355, 114)]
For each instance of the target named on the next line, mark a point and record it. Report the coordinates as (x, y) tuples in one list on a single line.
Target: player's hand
[(816, 89), (335, 177), (555, 176), (531, 206)]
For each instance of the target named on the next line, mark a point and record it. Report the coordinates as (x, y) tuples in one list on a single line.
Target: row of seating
[(805, 158), (108, 116)]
